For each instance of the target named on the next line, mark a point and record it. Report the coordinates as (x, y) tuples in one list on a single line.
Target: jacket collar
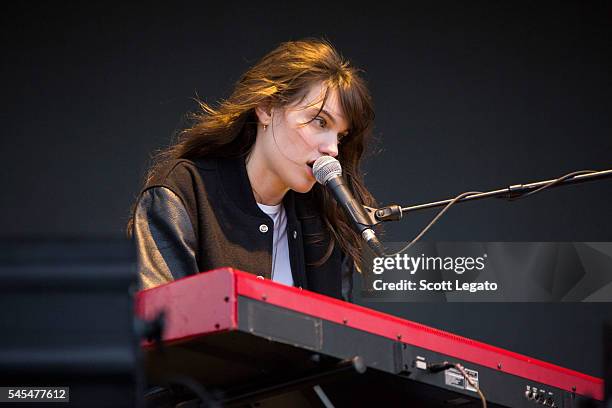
[(235, 182)]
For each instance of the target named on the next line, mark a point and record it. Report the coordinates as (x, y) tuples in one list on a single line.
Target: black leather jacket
[(199, 215)]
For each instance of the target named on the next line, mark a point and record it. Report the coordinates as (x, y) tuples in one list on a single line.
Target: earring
[(265, 127)]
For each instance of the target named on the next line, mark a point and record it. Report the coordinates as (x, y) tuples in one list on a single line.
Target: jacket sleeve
[(165, 238)]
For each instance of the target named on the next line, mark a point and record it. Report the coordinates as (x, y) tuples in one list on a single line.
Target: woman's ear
[(264, 113)]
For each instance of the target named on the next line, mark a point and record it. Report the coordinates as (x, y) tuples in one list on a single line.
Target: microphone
[(328, 172)]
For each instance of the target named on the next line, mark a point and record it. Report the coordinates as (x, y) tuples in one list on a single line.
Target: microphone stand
[(395, 212)]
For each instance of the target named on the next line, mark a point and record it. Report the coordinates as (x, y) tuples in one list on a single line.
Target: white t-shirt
[(281, 266)]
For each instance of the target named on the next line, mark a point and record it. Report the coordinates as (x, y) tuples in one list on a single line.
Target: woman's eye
[(322, 122)]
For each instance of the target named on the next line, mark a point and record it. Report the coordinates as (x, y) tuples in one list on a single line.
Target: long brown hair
[(281, 78)]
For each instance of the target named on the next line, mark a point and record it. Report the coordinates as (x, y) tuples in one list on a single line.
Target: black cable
[(432, 222), (438, 367), (551, 184)]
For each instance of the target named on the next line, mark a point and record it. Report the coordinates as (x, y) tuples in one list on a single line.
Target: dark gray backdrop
[(468, 96)]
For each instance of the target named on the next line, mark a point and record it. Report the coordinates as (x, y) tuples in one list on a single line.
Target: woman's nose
[(330, 148)]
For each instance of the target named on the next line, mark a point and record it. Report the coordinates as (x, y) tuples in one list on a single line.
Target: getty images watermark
[(489, 272), (414, 264)]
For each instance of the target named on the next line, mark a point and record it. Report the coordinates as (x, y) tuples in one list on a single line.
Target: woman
[(238, 190)]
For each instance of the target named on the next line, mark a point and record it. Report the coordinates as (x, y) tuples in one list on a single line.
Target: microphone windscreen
[(325, 168)]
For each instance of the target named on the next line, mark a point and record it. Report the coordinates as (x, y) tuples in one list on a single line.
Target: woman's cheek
[(306, 135)]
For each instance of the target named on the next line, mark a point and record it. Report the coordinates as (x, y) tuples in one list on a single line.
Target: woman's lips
[(309, 171)]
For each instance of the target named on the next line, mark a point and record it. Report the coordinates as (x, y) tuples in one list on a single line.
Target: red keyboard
[(226, 326)]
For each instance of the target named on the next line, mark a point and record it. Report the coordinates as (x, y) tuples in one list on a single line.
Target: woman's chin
[(303, 186)]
